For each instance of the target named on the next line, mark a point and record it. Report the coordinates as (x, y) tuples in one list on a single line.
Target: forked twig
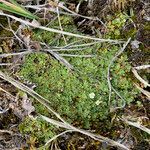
[(146, 93), (56, 136), (142, 67), (58, 16), (140, 78)]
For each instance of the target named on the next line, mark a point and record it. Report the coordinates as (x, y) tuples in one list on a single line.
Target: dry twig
[(139, 78), (146, 93), (137, 125)]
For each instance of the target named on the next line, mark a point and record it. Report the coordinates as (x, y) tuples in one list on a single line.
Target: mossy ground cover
[(79, 96)]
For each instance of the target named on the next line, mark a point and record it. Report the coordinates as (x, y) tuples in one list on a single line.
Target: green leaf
[(14, 7)]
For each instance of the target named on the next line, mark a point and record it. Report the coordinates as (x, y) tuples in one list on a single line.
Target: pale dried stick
[(36, 25), (14, 32), (1, 89), (73, 55), (6, 64), (15, 54), (6, 131), (139, 78), (60, 58), (56, 136), (76, 14), (61, 5), (146, 93), (6, 109), (137, 125), (58, 16)]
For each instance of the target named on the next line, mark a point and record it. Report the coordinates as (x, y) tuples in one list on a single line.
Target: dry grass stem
[(137, 125), (139, 78), (36, 25), (142, 67)]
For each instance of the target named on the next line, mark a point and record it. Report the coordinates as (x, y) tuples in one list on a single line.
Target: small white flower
[(98, 102), (92, 95)]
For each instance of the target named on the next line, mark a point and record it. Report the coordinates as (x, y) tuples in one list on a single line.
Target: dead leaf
[(27, 104)]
